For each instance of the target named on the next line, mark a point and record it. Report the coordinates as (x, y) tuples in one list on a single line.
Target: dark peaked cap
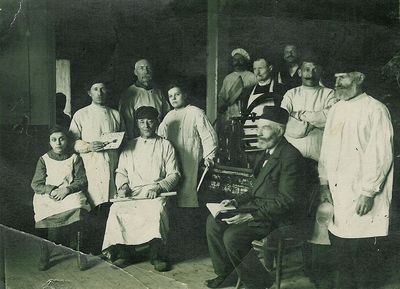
[(275, 114), (346, 67), (148, 112)]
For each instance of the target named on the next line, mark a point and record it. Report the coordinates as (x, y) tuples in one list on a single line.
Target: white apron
[(136, 222), (59, 173)]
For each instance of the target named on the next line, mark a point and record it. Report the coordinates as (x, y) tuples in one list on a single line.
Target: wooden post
[(41, 63), (212, 60)]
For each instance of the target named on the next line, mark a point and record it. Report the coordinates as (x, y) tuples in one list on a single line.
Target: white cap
[(242, 52)]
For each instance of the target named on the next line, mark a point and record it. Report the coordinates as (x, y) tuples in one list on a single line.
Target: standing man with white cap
[(356, 175), (234, 83)]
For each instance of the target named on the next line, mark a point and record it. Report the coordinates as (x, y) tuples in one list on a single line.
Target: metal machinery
[(237, 142)]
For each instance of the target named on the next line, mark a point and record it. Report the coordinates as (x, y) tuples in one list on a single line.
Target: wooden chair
[(275, 246)]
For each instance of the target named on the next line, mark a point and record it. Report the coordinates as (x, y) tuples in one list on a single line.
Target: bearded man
[(277, 199), (356, 176), (141, 93)]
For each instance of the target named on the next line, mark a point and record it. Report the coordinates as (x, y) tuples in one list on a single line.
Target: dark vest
[(290, 81)]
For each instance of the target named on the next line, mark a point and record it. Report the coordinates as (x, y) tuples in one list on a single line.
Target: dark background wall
[(27, 62), (362, 32), (108, 37), (102, 37)]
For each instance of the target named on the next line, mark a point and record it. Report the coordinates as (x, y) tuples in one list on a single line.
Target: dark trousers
[(357, 262), (157, 251), (230, 248), (320, 265), (95, 227)]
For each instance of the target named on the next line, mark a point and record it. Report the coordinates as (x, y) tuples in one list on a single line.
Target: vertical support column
[(212, 59), (42, 62)]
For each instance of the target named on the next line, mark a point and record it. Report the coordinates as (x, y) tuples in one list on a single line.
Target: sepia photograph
[(194, 144)]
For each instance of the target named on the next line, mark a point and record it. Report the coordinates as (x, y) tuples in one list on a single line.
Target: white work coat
[(143, 163), (230, 91), (87, 125), (314, 104), (357, 159), (194, 138), (135, 97)]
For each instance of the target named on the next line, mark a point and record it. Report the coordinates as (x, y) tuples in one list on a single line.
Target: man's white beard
[(146, 79), (345, 93), (263, 144)]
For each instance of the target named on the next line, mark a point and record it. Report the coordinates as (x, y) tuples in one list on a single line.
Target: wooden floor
[(190, 268), (22, 254)]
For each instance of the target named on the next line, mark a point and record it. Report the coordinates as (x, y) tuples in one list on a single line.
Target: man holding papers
[(147, 167), (88, 126), (277, 200)]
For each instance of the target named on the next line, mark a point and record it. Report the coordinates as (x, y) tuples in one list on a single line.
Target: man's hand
[(325, 194), (59, 193), (238, 219), (123, 191), (96, 146), (297, 114), (226, 203), (209, 162), (364, 205), (153, 191)]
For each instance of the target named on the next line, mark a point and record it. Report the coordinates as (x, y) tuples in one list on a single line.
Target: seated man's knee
[(231, 239), (211, 225)]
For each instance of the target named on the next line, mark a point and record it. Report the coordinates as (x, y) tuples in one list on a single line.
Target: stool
[(47, 246)]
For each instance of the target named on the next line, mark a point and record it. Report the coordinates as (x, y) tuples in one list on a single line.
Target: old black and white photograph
[(195, 144)]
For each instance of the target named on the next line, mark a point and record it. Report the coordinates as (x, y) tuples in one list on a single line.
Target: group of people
[(161, 153), (343, 133)]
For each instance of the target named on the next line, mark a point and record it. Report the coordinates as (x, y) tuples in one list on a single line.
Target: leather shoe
[(160, 266), (121, 263), (221, 282)]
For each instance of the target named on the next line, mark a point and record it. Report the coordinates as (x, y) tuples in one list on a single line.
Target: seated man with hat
[(276, 197), (147, 167)]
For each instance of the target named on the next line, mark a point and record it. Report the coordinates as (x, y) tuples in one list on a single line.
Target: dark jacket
[(288, 81), (278, 191)]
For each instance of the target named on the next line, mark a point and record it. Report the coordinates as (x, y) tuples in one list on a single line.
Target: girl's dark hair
[(64, 130), (97, 79), (177, 83), (58, 128)]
